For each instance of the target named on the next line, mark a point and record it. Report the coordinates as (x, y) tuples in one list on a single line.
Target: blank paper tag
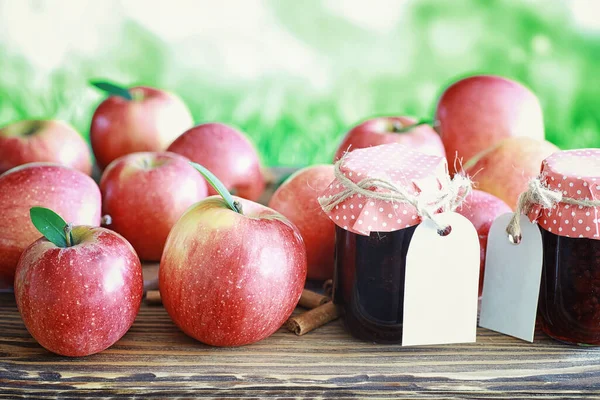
[(511, 282), (441, 285)]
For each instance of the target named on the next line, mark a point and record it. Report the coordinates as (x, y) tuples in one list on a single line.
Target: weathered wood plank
[(157, 360)]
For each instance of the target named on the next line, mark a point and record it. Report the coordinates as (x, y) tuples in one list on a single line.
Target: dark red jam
[(569, 304), (369, 282)]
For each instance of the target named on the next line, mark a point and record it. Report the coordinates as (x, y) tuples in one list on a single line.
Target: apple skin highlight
[(296, 199), (150, 122), (79, 300), (479, 111), (52, 141), (145, 194), (228, 279), (70, 193), (228, 154), (377, 131)]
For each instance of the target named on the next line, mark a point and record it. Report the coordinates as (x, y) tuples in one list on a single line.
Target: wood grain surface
[(156, 360)]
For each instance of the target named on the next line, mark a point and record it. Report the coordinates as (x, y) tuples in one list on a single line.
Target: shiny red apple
[(477, 112), (482, 209), (506, 168), (230, 279), (81, 299), (385, 130), (148, 122), (69, 192), (227, 153), (296, 199), (145, 194), (30, 141)]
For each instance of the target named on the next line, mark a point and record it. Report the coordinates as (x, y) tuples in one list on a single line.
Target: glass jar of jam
[(369, 282), (569, 302), (373, 234)]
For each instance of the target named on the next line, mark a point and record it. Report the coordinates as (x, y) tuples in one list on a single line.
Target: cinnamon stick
[(153, 297), (310, 320), (310, 299)]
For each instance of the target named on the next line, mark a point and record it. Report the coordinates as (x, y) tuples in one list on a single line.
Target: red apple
[(481, 209), (230, 279), (506, 168), (477, 112), (145, 194), (81, 299), (149, 122), (386, 130), (67, 191), (227, 153), (37, 140), (296, 199)]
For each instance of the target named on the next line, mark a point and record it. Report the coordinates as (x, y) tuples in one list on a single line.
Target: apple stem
[(68, 236), (106, 220), (238, 207), (397, 127)]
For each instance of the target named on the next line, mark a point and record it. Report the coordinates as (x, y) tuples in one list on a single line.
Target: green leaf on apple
[(219, 187), (112, 89), (407, 128), (51, 225)]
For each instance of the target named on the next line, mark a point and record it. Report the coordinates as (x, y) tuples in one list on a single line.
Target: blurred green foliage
[(401, 71)]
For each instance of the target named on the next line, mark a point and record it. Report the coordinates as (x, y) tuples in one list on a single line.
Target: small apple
[(232, 271), (138, 119), (65, 190), (30, 141), (477, 112), (80, 293), (227, 153), (296, 199), (506, 168), (145, 194), (384, 130), (482, 209)]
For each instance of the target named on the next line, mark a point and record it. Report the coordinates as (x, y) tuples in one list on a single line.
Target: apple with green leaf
[(418, 135), (227, 153), (69, 192), (137, 119), (145, 194), (53, 141), (78, 288), (232, 270)]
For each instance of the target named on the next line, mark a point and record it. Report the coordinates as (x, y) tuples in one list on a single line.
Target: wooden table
[(156, 360)]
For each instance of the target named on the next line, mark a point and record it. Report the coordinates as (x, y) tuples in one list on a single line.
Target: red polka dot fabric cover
[(416, 172), (575, 173)]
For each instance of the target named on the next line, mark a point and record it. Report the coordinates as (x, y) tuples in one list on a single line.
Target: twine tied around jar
[(452, 194), (537, 193)]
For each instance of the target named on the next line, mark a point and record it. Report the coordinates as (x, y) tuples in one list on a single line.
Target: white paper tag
[(511, 282), (441, 284)]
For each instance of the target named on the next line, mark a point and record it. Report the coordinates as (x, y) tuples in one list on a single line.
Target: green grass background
[(295, 118)]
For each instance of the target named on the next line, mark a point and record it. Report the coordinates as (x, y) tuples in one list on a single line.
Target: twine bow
[(451, 195), (537, 193)]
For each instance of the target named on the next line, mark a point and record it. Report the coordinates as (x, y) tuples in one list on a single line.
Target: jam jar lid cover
[(576, 174), (415, 172)]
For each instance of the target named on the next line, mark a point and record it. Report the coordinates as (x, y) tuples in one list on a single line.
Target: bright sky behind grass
[(295, 75)]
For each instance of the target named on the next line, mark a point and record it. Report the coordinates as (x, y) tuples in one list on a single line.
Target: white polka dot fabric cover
[(575, 173), (416, 172)]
